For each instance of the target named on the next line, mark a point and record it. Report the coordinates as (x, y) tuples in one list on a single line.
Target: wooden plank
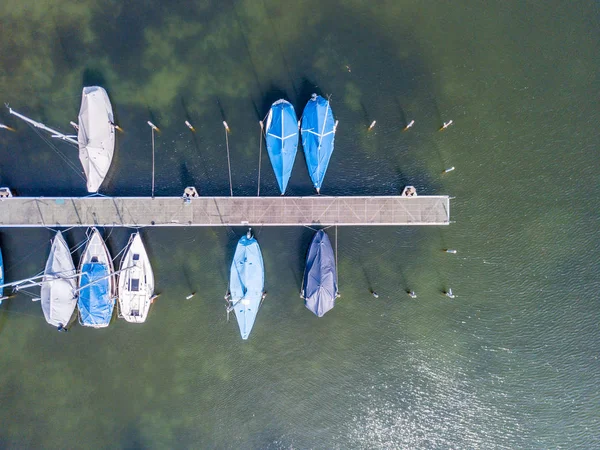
[(223, 211)]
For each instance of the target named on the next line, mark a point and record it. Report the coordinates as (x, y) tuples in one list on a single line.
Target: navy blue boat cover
[(320, 278)]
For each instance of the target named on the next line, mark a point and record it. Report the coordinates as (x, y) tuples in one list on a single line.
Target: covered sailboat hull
[(318, 134), (96, 135), (58, 298), (246, 283), (319, 286), (96, 283), (136, 282), (281, 135)]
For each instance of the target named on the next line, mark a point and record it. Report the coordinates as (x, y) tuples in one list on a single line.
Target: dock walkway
[(223, 211)]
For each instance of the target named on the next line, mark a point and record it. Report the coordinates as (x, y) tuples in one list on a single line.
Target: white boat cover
[(136, 282), (59, 283), (96, 135)]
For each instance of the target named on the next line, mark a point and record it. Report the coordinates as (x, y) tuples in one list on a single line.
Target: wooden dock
[(228, 211)]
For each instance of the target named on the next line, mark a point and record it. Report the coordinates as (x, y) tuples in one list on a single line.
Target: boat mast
[(17, 283), (55, 134)]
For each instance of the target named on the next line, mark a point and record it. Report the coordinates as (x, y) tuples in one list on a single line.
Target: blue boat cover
[(318, 133), (246, 284), (320, 278), (94, 303), (282, 140)]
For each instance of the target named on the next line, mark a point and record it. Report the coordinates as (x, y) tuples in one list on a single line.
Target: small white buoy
[(226, 126), (446, 125), (375, 294), (372, 125), (262, 125), (118, 128), (410, 124), (449, 250), (189, 125), (74, 125), (449, 294), (450, 169), (190, 296), (249, 233), (154, 127), (412, 294)]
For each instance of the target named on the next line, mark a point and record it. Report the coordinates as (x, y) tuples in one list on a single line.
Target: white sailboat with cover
[(95, 135), (58, 285), (136, 282)]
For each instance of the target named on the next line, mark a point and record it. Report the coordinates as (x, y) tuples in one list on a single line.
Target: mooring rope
[(152, 162), (336, 261), (228, 161), (58, 152)]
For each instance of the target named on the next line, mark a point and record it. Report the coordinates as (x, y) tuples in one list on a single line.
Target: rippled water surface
[(511, 362)]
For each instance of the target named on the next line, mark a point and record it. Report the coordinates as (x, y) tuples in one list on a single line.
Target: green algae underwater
[(511, 362)]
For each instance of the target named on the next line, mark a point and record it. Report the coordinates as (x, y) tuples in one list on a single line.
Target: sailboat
[(95, 134), (136, 282), (97, 287), (319, 284), (246, 283), (58, 284), (318, 133), (282, 140)]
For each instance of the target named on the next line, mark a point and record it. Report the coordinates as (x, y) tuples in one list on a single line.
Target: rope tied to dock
[(228, 158)]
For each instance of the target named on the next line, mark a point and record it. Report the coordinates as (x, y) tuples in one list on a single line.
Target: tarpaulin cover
[(95, 304), (282, 140), (320, 280), (318, 133), (246, 284)]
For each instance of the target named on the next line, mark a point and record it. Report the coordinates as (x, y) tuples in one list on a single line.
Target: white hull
[(58, 298), (136, 282), (96, 135), (96, 248)]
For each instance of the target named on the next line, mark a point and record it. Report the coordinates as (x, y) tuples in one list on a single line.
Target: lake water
[(511, 362)]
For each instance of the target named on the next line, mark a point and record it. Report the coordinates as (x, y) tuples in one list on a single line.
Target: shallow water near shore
[(511, 362)]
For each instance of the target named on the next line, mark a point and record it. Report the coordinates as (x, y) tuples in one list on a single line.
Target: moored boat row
[(317, 127), (247, 280), (96, 137), (94, 288)]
